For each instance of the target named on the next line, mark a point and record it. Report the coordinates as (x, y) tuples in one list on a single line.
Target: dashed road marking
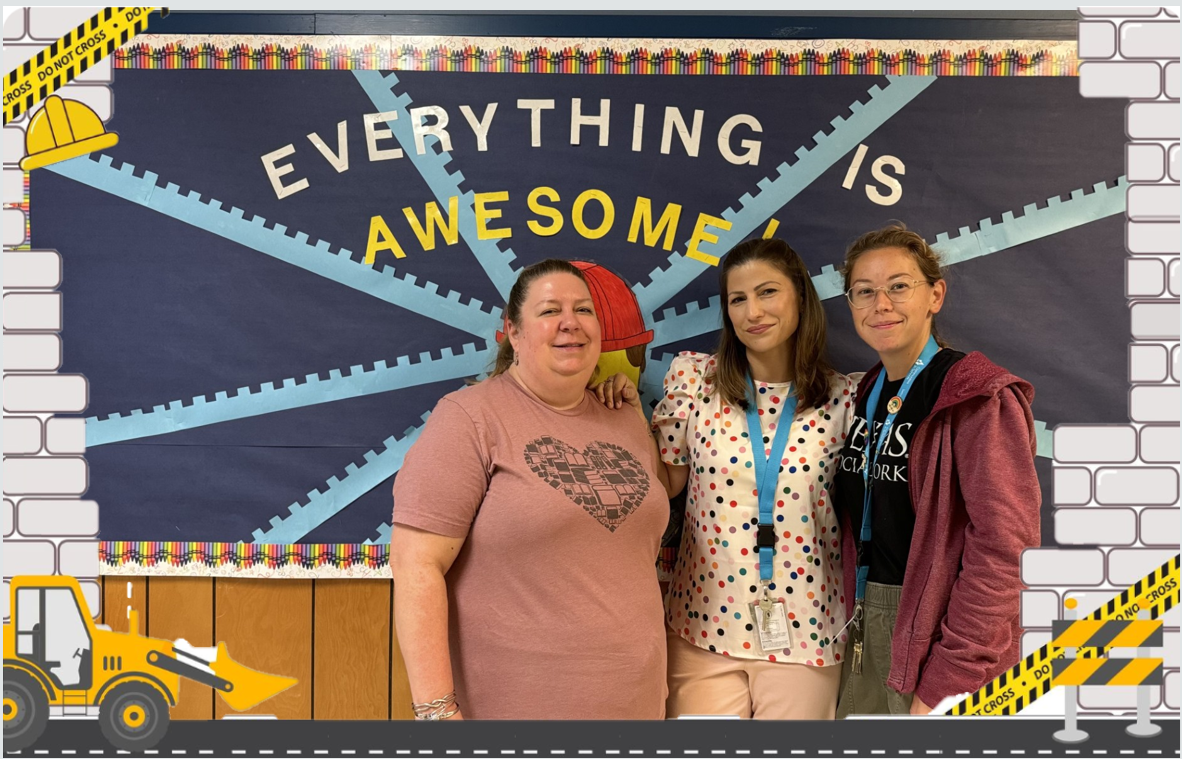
[(374, 751)]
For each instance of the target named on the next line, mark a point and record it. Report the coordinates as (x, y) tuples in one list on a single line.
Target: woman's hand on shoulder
[(618, 390)]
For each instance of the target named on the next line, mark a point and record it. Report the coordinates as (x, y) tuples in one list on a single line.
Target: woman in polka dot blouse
[(722, 659)]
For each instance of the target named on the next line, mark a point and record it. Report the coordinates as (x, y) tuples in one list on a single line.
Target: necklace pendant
[(894, 404)]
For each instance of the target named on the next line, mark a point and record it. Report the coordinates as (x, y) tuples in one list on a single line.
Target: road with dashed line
[(928, 737)]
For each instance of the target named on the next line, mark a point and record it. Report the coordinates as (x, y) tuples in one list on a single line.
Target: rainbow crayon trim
[(244, 559), (788, 60)]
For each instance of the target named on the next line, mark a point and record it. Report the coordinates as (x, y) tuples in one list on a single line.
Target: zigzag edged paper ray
[(774, 193), (338, 494), (1056, 216), (318, 259), (289, 395), (443, 184), (652, 382), (383, 532)]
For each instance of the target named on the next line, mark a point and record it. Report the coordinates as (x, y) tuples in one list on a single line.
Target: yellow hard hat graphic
[(61, 130)]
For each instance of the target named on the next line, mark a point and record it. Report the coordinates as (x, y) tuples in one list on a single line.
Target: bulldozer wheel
[(133, 716), (26, 710)]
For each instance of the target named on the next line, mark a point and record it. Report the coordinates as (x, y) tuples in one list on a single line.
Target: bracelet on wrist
[(440, 708)]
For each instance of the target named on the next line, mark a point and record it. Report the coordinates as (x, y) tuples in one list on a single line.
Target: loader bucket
[(250, 687)]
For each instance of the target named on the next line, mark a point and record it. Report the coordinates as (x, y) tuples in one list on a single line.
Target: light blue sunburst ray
[(811, 163), (1056, 216), (302, 519), (432, 166), (319, 259), (290, 394)]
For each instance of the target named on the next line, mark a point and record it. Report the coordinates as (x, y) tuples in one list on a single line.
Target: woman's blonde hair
[(897, 235)]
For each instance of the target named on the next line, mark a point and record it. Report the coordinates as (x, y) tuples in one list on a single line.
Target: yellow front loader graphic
[(59, 664)]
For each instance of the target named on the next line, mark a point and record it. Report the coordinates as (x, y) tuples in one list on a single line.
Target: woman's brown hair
[(525, 279), (897, 235), (811, 370)]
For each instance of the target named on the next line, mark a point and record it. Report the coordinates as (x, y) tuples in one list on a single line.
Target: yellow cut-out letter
[(450, 229), (381, 238), (609, 214), (549, 193), (483, 215), (667, 223), (701, 235)]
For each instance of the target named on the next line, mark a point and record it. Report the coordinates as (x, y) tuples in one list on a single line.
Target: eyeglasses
[(864, 296)]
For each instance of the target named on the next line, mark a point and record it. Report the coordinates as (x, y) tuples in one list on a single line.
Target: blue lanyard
[(869, 460), (767, 473)]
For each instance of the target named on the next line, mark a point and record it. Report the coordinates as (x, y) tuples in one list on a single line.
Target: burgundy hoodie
[(976, 500)]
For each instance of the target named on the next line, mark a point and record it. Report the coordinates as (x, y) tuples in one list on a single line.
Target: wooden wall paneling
[(182, 607), (116, 589), (267, 626), (400, 700), (352, 653)]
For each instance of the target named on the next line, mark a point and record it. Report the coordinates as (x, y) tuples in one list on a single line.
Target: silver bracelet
[(437, 709)]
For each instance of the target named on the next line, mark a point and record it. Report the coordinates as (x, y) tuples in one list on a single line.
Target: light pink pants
[(703, 682)]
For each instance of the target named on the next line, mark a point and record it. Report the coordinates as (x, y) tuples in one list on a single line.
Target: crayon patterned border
[(244, 559), (551, 56)]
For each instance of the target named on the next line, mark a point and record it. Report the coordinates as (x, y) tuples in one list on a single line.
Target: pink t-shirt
[(553, 604)]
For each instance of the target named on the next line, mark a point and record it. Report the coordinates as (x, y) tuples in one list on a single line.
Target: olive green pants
[(867, 692)]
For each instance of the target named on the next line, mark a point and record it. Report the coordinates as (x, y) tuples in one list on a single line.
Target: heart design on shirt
[(606, 480)]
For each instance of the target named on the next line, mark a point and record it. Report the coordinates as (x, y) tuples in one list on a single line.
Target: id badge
[(775, 635)]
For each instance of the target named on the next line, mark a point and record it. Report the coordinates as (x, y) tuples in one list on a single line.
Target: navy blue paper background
[(156, 310)]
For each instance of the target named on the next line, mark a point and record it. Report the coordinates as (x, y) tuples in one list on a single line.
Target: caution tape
[(1031, 678), (63, 60)]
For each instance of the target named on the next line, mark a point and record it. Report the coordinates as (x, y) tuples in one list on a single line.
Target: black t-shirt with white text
[(892, 515)]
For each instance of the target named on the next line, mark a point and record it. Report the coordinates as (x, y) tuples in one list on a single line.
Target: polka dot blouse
[(716, 575)]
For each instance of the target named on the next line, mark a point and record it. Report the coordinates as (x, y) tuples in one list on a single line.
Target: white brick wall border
[(1116, 487), (47, 527)]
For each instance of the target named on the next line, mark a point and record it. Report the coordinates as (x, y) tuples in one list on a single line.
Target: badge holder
[(771, 617)]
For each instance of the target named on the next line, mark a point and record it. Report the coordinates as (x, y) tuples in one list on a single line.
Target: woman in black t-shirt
[(944, 442)]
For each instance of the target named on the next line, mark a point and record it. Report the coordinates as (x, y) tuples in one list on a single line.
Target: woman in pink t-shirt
[(737, 567), (527, 522)]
